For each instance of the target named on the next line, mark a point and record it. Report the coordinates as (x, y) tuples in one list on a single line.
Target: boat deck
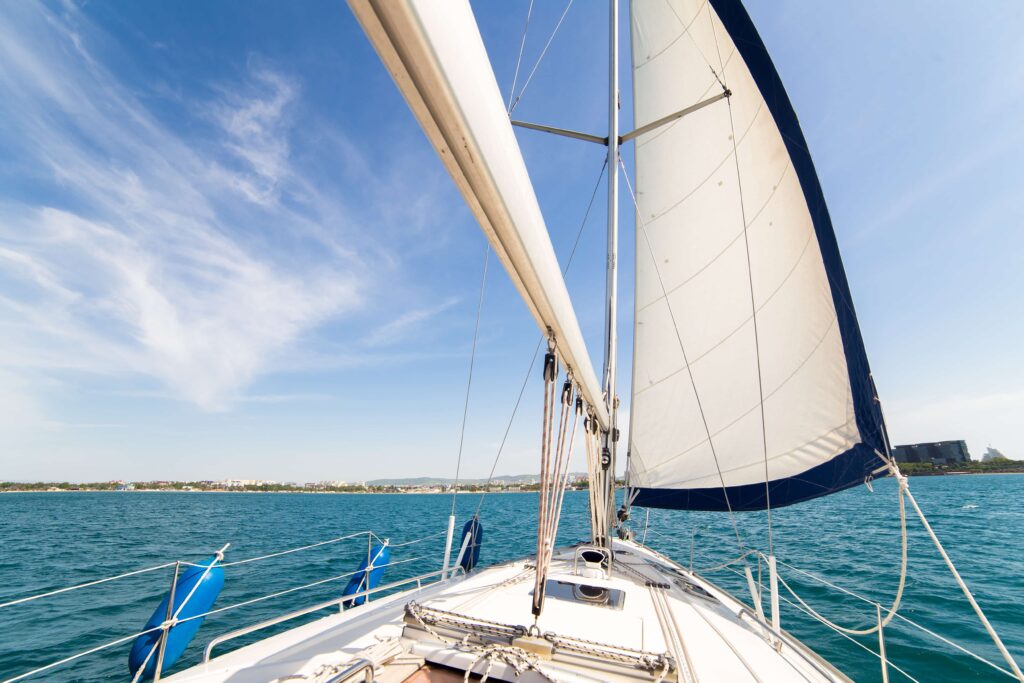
[(650, 620)]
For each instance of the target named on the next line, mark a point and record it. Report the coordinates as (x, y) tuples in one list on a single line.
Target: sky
[(227, 251)]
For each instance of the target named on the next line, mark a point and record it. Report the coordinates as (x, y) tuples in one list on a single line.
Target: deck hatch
[(586, 594)]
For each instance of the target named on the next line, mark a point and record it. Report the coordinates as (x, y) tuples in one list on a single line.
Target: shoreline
[(332, 493), (402, 492)]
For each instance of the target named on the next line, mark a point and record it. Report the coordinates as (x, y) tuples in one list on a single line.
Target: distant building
[(937, 453), (993, 454), (239, 483)]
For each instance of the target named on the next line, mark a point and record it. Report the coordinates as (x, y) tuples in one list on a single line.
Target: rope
[(554, 470), (86, 585), (750, 282), (172, 621), (899, 590), (427, 617), (671, 634), (596, 489), (725, 565), (540, 342), (956, 575), (641, 225), (79, 655), (550, 373), (857, 643), (469, 381), (901, 617), (850, 638), (187, 564), (519, 659), (419, 540), (519, 59), (515, 103), (295, 550), (294, 589)]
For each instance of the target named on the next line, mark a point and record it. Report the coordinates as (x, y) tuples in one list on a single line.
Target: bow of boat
[(647, 619)]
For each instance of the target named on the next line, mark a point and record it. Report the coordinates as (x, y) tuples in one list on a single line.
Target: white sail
[(435, 53), (741, 300)]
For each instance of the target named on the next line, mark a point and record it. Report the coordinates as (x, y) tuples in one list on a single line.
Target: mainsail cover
[(748, 366), (434, 52)]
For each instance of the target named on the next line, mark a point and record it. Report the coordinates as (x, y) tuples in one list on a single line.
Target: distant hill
[(442, 481)]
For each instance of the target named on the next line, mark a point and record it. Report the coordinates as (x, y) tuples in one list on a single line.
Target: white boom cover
[(434, 52), (734, 304)]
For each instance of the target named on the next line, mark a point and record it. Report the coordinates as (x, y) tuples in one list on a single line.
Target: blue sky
[(226, 250)]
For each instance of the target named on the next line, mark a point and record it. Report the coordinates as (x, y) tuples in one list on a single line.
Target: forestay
[(435, 53), (748, 362)]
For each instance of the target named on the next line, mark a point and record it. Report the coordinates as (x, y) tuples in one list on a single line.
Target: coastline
[(333, 493), (393, 490)]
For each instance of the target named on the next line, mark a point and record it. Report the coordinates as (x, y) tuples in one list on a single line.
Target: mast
[(612, 275)]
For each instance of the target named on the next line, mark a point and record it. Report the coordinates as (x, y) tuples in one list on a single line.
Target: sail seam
[(651, 137), (733, 241), (643, 230), (753, 303), (766, 397), (777, 456), (686, 30), (743, 324), (725, 159)]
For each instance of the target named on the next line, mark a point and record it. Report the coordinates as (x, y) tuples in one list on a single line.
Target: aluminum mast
[(612, 275)]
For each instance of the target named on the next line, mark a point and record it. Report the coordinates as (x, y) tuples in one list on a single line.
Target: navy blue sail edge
[(855, 465)]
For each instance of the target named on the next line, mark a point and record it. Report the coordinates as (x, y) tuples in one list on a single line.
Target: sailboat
[(751, 388)]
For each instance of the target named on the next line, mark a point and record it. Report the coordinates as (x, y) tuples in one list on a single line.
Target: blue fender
[(368, 576), (475, 530), (207, 588)]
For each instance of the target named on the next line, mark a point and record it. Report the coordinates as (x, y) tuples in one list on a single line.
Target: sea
[(851, 539)]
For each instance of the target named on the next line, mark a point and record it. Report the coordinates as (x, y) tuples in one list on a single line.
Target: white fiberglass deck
[(664, 614)]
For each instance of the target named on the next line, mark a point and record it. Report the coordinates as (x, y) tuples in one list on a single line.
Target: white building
[(992, 454)]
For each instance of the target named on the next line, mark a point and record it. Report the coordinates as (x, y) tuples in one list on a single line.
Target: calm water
[(50, 540)]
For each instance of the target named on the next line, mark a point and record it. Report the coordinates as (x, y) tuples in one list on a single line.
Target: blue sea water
[(49, 540)]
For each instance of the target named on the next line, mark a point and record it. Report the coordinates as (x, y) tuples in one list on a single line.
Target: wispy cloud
[(256, 125), (399, 328), (195, 260)]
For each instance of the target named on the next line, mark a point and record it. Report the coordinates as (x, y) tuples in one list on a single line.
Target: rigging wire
[(540, 342), (515, 102), (750, 282), (469, 381), (519, 59), (642, 229)]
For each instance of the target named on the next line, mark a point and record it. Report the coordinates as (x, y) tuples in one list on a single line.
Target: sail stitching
[(766, 397), (643, 230), (777, 456), (726, 248), (686, 29), (652, 136), (711, 175), (687, 32), (750, 282), (742, 324)]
